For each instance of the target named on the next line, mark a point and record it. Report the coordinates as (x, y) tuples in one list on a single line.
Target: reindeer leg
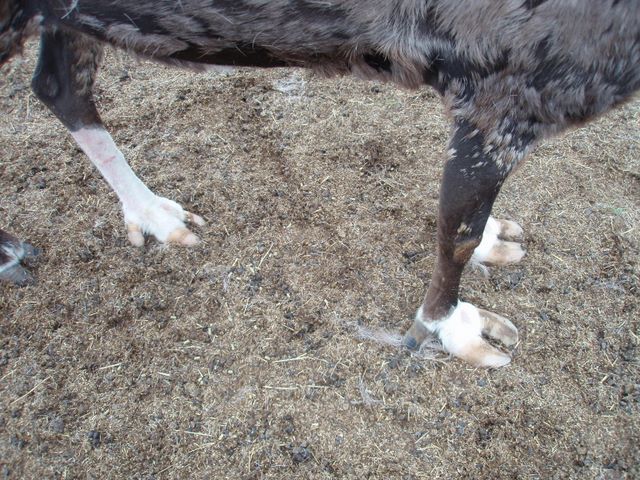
[(471, 181), (63, 81)]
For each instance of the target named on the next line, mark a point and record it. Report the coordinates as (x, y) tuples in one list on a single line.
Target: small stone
[(17, 442), (56, 425), (300, 454), (514, 279), (94, 438), (390, 388)]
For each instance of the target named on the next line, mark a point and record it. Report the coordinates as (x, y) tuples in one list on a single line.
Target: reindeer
[(510, 72)]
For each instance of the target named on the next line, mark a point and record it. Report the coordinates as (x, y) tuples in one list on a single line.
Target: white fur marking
[(8, 265), (489, 241), (141, 207), (15, 251), (461, 335), (109, 160), (493, 249), (457, 329), (15, 254)]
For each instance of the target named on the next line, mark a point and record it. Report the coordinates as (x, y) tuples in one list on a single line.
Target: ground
[(240, 358)]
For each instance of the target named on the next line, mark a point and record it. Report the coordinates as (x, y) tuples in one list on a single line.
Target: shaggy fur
[(517, 70)]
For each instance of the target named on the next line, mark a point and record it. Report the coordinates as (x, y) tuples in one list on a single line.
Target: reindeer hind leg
[(471, 181)]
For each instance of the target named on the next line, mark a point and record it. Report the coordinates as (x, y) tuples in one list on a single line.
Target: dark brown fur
[(517, 70)]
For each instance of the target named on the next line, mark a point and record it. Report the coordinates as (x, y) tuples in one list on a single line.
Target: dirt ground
[(239, 358)]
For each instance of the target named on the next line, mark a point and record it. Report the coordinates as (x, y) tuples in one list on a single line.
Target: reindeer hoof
[(164, 219), (462, 332), (509, 230), (17, 274), (415, 336), (497, 246)]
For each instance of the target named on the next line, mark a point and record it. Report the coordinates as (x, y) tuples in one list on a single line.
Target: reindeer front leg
[(471, 181), (63, 81)]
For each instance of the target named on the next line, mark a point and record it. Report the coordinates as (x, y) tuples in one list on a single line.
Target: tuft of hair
[(431, 348), (480, 267), (367, 398), (379, 335)]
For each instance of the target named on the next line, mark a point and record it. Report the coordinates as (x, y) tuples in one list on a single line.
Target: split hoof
[(462, 334), (164, 219), (509, 230), (497, 247)]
